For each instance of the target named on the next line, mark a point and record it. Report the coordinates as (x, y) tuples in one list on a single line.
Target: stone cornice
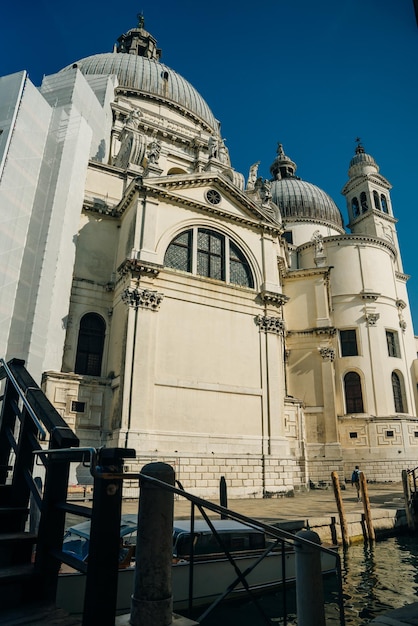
[(354, 239), (306, 273), (376, 213), (270, 297), (151, 124), (311, 220), (139, 267), (401, 276), (330, 331), (373, 177), (204, 179), (169, 103), (155, 188)]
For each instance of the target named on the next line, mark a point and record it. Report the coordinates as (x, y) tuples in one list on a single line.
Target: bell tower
[(368, 201)]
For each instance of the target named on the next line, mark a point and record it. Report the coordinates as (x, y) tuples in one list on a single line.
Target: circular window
[(213, 196)]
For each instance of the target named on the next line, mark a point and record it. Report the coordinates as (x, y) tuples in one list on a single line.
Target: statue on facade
[(252, 176), (213, 147), (132, 143), (266, 190), (317, 238), (154, 152), (223, 154)]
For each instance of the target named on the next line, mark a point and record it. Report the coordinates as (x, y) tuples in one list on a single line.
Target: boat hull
[(211, 577)]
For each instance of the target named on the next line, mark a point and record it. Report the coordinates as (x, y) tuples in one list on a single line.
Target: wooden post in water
[(338, 498), (223, 495), (407, 495), (366, 506)]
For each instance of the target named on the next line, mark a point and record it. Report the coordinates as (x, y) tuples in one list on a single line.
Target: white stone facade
[(228, 329)]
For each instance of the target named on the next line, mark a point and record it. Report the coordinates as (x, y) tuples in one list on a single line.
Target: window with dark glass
[(363, 202), (384, 203), (348, 342), (393, 343), (239, 270), (288, 236), (376, 200), (90, 345), (179, 252), (398, 393), (355, 207), (208, 253), (353, 393)]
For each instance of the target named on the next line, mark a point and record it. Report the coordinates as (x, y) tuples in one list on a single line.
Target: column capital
[(143, 298), (270, 324)]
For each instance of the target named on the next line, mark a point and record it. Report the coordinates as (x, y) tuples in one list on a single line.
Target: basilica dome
[(135, 62), (298, 199)]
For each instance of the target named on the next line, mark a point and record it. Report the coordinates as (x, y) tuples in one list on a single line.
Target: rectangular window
[(348, 342), (353, 435), (389, 433), (288, 236), (78, 407), (393, 343)]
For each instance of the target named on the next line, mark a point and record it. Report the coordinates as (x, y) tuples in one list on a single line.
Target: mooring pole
[(366, 506), (223, 495), (310, 607), (407, 497), (152, 601), (340, 507)]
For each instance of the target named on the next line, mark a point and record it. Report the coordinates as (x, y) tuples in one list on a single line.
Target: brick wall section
[(245, 477)]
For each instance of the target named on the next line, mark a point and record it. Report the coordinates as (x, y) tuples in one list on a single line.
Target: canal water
[(376, 578)]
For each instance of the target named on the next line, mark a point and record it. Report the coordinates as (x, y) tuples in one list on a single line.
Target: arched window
[(363, 202), (179, 253), (353, 393), (211, 254), (384, 203), (398, 390), (355, 207), (376, 200), (90, 345)]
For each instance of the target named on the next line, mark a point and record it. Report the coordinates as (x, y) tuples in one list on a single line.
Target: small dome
[(362, 163), (300, 200)]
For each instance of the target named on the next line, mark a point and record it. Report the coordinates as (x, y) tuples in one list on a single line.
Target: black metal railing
[(108, 546), (31, 429)]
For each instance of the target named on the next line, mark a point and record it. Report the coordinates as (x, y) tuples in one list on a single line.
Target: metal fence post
[(152, 601), (102, 567), (309, 586)]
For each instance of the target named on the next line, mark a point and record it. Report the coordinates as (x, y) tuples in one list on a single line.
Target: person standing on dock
[(355, 480)]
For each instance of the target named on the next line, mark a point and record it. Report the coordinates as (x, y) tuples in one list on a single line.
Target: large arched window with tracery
[(208, 253), (90, 345), (398, 390), (353, 393)]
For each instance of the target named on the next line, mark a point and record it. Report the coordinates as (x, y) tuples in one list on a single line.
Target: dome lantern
[(282, 166), (138, 41)]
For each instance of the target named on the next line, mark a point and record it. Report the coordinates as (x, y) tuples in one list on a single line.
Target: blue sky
[(313, 75)]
